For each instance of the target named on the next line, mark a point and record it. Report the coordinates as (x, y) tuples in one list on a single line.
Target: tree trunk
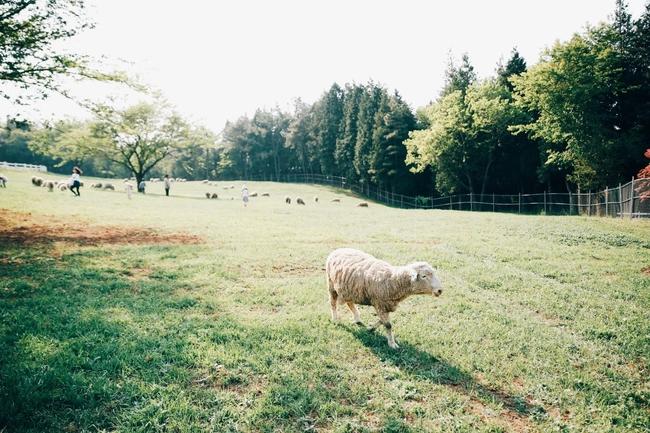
[(485, 176)]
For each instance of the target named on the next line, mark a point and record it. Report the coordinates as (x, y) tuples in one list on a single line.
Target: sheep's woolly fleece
[(24, 228)]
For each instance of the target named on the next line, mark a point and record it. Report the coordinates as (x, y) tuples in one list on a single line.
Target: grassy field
[(184, 314)]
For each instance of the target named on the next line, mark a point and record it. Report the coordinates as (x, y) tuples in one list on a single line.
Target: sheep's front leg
[(383, 317), (355, 311)]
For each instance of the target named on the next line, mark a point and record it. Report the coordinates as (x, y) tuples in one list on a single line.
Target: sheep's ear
[(413, 274)]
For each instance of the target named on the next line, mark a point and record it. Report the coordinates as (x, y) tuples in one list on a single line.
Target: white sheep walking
[(354, 277)]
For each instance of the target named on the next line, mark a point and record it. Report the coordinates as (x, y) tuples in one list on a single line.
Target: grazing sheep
[(62, 186), (214, 195), (3, 181), (336, 200), (207, 195), (37, 181), (253, 194), (97, 185), (287, 200), (109, 186), (363, 204), (354, 277), (49, 185), (316, 199), (266, 194), (300, 201)]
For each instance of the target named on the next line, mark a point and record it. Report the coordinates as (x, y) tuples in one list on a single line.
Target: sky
[(217, 60)]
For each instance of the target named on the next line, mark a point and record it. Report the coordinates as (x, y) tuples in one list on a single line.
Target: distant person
[(129, 189), (168, 184), (3, 181), (244, 195), (75, 181), (141, 186)]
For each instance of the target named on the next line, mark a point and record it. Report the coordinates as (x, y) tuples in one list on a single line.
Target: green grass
[(543, 326)]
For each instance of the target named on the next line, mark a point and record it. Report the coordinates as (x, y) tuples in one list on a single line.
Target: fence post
[(632, 197), (606, 201), (519, 202), (620, 200), (471, 201), (450, 206), (493, 206), (589, 203), (570, 203), (545, 211)]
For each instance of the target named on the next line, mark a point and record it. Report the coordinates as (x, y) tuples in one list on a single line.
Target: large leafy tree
[(137, 138), (590, 97), (30, 56)]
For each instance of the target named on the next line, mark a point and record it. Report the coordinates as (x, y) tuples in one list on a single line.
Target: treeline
[(579, 118)]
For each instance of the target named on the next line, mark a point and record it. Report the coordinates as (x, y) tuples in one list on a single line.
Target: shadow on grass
[(423, 366)]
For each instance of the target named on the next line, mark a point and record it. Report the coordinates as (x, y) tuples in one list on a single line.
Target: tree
[(329, 111), (368, 106), (138, 137), (29, 54), (458, 78), (301, 139), (345, 144), (516, 65)]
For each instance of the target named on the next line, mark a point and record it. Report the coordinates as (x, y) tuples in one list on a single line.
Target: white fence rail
[(629, 200), (20, 166)]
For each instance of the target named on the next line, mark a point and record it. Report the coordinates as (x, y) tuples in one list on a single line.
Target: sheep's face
[(424, 279)]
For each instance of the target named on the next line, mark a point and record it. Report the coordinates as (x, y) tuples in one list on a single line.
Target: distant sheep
[(3, 181), (266, 194), (354, 277), (207, 195), (109, 186), (300, 201), (316, 199), (154, 180), (253, 194), (287, 200), (98, 185), (214, 195), (37, 181), (336, 200), (49, 185), (62, 186), (205, 181), (363, 204)]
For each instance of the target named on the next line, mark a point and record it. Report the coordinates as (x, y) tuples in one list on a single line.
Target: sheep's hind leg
[(355, 311), (333, 300)]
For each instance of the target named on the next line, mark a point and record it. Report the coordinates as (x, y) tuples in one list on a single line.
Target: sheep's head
[(424, 279)]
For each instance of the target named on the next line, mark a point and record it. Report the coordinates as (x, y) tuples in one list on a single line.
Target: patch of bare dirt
[(20, 228), (646, 270)]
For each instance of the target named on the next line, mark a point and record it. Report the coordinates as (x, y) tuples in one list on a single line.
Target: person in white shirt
[(244, 195), (75, 181)]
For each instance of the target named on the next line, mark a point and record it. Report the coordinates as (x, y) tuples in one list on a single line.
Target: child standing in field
[(244, 195), (75, 181), (168, 184)]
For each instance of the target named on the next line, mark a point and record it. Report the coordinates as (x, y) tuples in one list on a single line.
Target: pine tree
[(345, 144), (329, 113)]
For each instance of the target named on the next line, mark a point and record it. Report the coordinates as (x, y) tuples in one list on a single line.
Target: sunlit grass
[(543, 324)]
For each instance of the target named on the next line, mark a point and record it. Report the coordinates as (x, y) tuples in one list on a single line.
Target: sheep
[(109, 186), (266, 194), (214, 195), (315, 199), (287, 200), (49, 185), (336, 200), (363, 204), (300, 201), (62, 186), (37, 181), (3, 181), (207, 195), (97, 185), (253, 194), (354, 277), (205, 181)]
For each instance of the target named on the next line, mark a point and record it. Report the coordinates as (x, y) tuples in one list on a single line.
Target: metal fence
[(629, 200), (20, 166)]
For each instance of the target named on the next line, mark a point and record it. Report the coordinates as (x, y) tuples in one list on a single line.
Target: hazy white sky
[(218, 60)]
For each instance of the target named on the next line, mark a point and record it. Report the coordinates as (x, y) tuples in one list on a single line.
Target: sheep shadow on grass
[(422, 365)]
